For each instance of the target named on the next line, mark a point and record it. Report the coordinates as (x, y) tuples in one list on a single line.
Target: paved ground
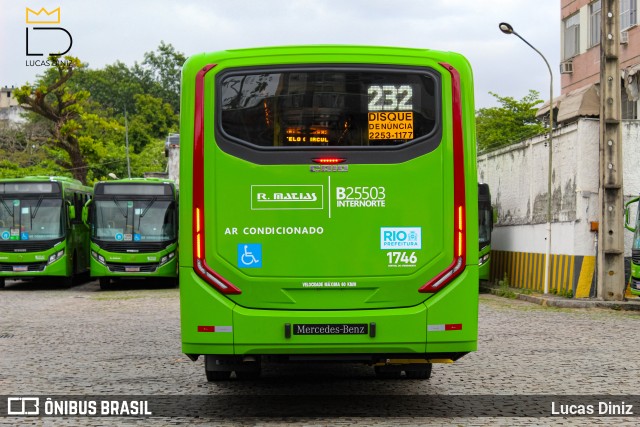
[(83, 341)]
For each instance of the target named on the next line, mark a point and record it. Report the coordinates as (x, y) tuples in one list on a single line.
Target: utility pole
[(610, 230)]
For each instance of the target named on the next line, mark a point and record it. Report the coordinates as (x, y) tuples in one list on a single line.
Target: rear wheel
[(387, 373), (213, 376), (420, 374), (250, 372), (1, 282), (70, 280)]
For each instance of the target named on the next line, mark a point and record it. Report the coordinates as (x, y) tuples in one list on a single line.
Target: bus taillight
[(199, 254), (461, 242), (459, 233), (328, 160)]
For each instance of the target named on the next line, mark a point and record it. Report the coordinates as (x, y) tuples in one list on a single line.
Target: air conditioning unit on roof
[(566, 67)]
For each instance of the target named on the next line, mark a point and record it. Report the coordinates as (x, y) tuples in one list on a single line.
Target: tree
[(165, 67), (53, 100), (512, 122), (82, 114)]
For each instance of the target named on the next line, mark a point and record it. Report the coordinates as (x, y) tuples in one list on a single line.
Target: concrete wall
[(518, 179), (11, 116)]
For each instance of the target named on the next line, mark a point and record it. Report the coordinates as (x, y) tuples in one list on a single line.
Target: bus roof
[(44, 178), (346, 51), (137, 181)]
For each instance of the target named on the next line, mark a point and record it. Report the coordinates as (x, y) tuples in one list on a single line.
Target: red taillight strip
[(459, 212), (199, 263), (328, 160)]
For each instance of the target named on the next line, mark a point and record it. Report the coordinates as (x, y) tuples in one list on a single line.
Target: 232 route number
[(390, 98)]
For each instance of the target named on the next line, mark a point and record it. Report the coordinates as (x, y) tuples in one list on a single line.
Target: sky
[(103, 32)]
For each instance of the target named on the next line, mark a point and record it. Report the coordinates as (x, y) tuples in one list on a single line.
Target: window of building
[(571, 36), (628, 14), (594, 23)]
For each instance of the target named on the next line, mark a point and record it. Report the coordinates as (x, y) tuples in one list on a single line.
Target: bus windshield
[(31, 218), (636, 234), (484, 225), (149, 220), (321, 107)]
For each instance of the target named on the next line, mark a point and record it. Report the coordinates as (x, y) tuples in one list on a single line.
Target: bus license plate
[(132, 269), (20, 268), (331, 329)]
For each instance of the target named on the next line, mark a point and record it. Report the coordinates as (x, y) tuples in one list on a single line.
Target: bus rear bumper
[(212, 324)]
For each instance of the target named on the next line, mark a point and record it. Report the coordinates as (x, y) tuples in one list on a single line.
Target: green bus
[(330, 202), (40, 235), (134, 230), (485, 226), (634, 279)]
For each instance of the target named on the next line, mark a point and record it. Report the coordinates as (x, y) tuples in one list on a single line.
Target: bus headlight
[(168, 257), (56, 256), (100, 258), (483, 259)]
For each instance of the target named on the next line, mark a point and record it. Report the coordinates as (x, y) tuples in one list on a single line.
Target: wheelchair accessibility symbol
[(250, 255)]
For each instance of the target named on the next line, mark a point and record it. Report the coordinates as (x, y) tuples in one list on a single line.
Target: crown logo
[(39, 17)]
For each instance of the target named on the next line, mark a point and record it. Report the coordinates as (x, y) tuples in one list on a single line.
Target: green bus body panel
[(350, 256), (634, 278), (331, 268), (635, 275), (74, 243)]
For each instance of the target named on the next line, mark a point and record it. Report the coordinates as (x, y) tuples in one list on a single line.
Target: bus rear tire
[(213, 376), (1, 282), (251, 374), (384, 373), (422, 374), (105, 283), (69, 281)]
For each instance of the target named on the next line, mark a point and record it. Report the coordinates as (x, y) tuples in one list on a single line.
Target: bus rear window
[(328, 107)]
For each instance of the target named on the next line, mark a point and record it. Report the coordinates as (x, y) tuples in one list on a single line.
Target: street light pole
[(508, 29)]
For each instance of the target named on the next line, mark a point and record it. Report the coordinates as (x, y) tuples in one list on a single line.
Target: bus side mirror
[(626, 214), (85, 213), (72, 213)]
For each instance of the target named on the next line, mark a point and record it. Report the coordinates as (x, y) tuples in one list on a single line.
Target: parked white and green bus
[(40, 235), (134, 230)]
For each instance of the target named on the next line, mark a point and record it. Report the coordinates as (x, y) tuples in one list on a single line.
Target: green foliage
[(513, 121), (23, 151), (504, 289), (76, 119), (62, 107), (164, 68)]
